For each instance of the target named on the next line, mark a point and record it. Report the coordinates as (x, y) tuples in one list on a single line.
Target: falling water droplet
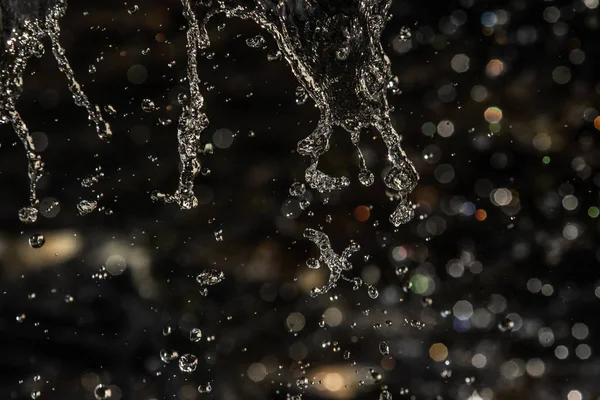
[(206, 388), (102, 392), (313, 263), (85, 207), (210, 277), (385, 395), (195, 335), (148, 105), (188, 363), (37, 240), (168, 355), (28, 215), (256, 42), (405, 34), (297, 189), (133, 9), (372, 291), (384, 348), (506, 325), (366, 177)]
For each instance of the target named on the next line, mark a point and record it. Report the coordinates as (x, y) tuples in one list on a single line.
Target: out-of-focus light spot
[(534, 285), (399, 253), (542, 141), (137, 74), (420, 284), (561, 352), (535, 367), (116, 264), (583, 351), (551, 14), (580, 331), (362, 213), (479, 360), (332, 316), (438, 352), (512, 369), (479, 93), (480, 215), (257, 372), (546, 160), (489, 19), (463, 310), (501, 197), (574, 395), (546, 337), (597, 123), (593, 212), (494, 68), (570, 202), (591, 3), (333, 381), (493, 115), (223, 138), (445, 128), (571, 232), (429, 129), (460, 63), (561, 75), (295, 321)]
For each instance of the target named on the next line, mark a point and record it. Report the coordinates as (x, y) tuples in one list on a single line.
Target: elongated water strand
[(24, 42)]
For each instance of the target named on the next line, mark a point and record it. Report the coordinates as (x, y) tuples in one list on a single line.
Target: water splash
[(335, 52), (30, 22), (336, 263)]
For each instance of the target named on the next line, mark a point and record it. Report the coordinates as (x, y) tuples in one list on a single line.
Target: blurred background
[(489, 293)]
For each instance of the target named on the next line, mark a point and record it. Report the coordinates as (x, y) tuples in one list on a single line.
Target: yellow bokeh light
[(493, 115), (438, 352), (494, 68)]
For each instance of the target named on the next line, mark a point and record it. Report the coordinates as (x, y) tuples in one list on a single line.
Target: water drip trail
[(25, 41), (335, 53)]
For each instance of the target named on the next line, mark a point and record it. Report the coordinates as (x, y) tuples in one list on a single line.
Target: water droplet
[(36, 394), (21, 318), (313, 263), (195, 335), (205, 388), (506, 325), (346, 355), (92, 69), (297, 189), (405, 34), (85, 207), (219, 235), (256, 42), (69, 299), (384, 348), (372, 291), (210, 277), (37, 240), (167, 330), (102, 392), (188, 363), (301, 95), (385, 395), (133, 9), (28, 215), (168, 355), (148, 105), (366, 177), (110, 110)]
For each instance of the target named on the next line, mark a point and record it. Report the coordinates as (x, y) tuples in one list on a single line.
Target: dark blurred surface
[(506, 224)]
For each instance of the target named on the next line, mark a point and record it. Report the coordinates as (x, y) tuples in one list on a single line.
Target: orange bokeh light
[(480, 215), (362, 213)]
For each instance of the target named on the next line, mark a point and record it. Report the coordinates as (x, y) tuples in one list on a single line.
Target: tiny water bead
[(385, 395), (85, 207), (195, 335), (373, 292), (148, 105), (405, 34), (37, 240), (102, 392), (28, 215), (168, 355), (205, 388), (384, 348), (506, 325), (210, 277), (297, 189), (188, 363)]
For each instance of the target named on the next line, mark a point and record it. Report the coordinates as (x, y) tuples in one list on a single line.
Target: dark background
[(535, 259)]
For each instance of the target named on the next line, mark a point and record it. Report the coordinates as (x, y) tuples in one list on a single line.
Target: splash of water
[(31, 22), (335, 52)]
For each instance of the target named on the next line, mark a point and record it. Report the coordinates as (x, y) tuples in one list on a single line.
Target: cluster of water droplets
[(337, 57), (30, 25)]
